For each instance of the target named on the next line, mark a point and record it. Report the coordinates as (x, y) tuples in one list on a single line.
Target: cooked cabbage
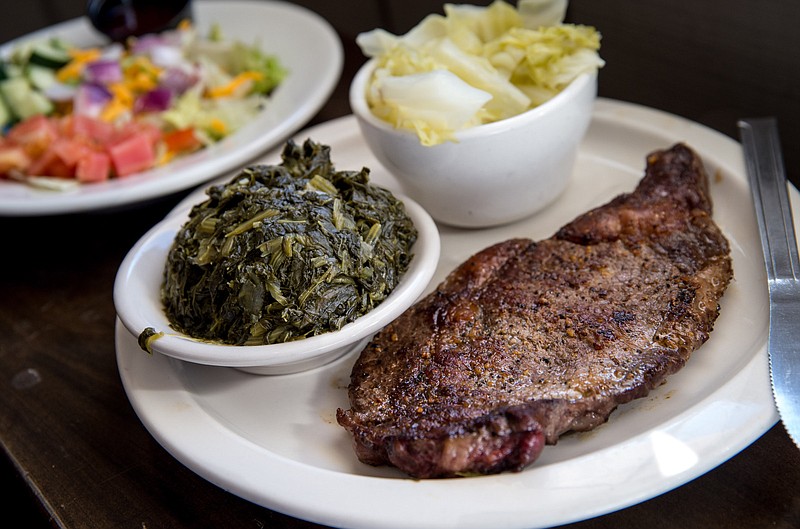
[(508, 60)]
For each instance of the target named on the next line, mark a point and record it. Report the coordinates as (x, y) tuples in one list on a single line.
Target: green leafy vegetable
[(253, 59), (235, 57), (282, 252), (146, 338)]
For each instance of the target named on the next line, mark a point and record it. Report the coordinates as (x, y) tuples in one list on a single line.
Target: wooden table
[(77, 456)]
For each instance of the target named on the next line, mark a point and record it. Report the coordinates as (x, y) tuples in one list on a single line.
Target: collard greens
[(287, 251)]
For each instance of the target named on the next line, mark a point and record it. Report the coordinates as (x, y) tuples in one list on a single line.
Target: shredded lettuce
[(223, 59), (212, 119), (501, 62), (253, 59)]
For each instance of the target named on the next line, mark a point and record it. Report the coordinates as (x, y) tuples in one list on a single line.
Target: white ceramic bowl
[(495, 173), (138, 303)]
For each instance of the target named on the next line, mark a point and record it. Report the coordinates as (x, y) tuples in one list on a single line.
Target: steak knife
[(764, 162)]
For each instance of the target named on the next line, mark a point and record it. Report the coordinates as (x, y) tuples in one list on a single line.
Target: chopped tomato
[(71, 151), (184, 140), (79, 147), (133, 154), (13, 157), (88, 128), (49, 164), (94, 167), (34, 134), (135, 128)]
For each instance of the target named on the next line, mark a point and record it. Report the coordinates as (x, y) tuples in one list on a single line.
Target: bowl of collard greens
[(281, 269)]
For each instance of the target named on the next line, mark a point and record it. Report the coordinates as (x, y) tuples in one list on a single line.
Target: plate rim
[(333, 512)]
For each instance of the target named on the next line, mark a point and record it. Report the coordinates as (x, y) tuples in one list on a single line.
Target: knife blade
[(767, 176)]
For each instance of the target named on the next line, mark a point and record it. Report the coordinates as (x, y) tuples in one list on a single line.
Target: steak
[(526, 341)]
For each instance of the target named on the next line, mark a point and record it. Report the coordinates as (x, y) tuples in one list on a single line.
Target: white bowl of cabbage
[(479, 112)]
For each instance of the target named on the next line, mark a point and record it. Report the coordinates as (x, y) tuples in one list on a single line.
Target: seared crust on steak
[(526, 341)]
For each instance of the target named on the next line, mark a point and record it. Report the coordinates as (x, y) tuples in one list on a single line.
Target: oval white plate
[(275, 441), (137, 298), (304, 43)]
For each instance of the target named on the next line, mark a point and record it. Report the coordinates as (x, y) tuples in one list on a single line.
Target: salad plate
[(274, 440), (304, 43)]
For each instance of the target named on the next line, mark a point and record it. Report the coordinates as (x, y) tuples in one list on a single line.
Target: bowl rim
[(137, 309), (359, 106)]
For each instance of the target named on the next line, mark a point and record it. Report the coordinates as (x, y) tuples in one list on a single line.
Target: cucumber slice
[(20, 54), (40, 77), (6, 116), (61, 44), (9, 70), (49, 54), (22, 99)]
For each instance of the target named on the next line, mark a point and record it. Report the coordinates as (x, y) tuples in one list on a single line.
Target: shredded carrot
[(122, 93), (218, 126), (73, 70), (165, 157), (142, 82), (113, 109), (121, 102), (141, 75), (87, 55), (230, 89)]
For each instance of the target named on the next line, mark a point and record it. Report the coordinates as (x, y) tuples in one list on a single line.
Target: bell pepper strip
[(182, 141)]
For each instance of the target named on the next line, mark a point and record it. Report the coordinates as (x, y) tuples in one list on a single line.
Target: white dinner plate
[(275, 440), (304, 43)]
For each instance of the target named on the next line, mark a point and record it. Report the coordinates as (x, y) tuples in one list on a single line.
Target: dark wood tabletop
[(76, 455)]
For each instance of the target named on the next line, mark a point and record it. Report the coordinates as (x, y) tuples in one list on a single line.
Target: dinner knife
[(764, 162)]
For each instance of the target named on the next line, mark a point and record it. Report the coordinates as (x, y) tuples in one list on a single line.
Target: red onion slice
[(90, 99), (103, 72), (156, 100)]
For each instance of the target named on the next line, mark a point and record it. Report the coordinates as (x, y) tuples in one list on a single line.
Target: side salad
[(72, 115)]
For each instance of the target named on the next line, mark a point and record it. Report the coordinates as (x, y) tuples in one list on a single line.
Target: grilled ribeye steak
[(528, 340)]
